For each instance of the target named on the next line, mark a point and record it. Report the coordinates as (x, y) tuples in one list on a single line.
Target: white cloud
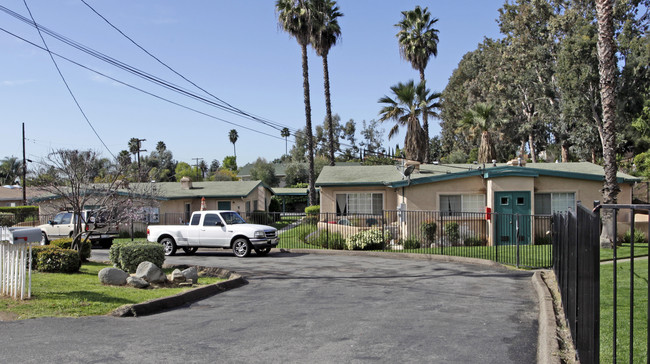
[(12, 83)]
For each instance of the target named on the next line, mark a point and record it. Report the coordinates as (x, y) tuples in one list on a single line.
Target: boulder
[(177, 276), (113, 276), (137, 282), (191, 274), (150, 273)]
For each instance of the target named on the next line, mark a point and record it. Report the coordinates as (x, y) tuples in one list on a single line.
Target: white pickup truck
[(215, 229)]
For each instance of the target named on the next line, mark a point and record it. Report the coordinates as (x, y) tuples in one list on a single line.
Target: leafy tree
[(229, 163), (296, 17), (214, 166), (224, 175), (296, 173), (299, 150), (233, 136), (418, 41), (185, 170), (326, 32), (372, 136), (265, 172)]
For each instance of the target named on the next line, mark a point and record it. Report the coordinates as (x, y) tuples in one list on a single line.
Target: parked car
[(215, 229), (62, 226)]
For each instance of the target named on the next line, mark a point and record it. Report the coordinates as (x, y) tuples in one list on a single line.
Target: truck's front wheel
[(169, 246), (241, 247)]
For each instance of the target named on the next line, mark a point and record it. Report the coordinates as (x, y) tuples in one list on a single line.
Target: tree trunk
[(425, 125), (414, 141), (565, 152), (328, 107), (486, 150), (310, 136), (531, 146), (607, 72)]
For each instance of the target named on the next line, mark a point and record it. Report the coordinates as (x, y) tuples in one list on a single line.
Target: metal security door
[(513, 217)]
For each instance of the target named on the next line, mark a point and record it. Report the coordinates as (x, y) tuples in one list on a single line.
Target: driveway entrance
[(310, 308)]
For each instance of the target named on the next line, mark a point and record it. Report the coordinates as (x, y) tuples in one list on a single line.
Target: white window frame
[(556, 196), (355, 197), (469, 203)]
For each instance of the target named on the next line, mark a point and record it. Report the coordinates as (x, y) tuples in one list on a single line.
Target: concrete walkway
[(309, 308)]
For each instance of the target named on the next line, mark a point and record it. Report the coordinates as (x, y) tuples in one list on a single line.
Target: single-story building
[(463, 192)]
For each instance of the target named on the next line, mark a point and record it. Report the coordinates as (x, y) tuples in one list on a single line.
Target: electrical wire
[(66, 82)]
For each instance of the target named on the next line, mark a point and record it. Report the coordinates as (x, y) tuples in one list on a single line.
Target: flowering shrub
[(368, 240)]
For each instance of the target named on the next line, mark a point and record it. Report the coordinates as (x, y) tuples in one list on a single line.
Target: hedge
[(66, 243), (128, 255), (57, 260)]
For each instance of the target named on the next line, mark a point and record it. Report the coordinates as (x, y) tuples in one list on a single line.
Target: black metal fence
[(519, 240), (576, 262)]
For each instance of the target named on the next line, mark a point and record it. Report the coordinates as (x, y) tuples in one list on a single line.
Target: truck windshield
[(232, 218)]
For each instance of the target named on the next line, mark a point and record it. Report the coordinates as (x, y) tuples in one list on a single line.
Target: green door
[(223, 205), (513, 217)]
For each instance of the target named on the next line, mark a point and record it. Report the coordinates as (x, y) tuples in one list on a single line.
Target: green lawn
[(624, 251), (81, 294), (623, 312)]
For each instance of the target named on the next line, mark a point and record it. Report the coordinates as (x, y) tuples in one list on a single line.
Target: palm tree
[(481, 119), (296, 18), (607, 71), (233, 136), (285, 133), (409, 103), (203, 167), (326, 32), (161, 147), (418, 40), (10, 169)]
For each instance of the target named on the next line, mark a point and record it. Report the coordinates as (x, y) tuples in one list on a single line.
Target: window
[(211, 220), (359, 203), (195, 219), (548, 203), (461, 203)]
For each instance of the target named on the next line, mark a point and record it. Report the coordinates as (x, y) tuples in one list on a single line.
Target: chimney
[(186, 183), (412, 163)]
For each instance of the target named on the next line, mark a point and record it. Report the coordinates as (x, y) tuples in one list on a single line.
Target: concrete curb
[(409, 256), (183, 298), (547, 344)]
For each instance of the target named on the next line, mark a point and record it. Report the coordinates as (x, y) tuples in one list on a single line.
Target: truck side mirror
[(218, 223), (51, 222)]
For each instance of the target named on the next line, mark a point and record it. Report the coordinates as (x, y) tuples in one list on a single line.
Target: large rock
[(137, 282), (150, 273), (177, 276), (113, 276), (191, 274)]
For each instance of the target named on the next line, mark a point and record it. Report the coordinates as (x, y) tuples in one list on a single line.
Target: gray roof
[(208, 189), (391, 176)]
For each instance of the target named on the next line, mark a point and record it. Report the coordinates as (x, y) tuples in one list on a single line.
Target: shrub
[(6, 219), (57, 260), (452, 230), (639, 237), (327, 240), (36, 250), (428, 229), (372, 239), (475, 241), (412, 243), (114, 251), (312, 214), (66, 243), (131, 255)]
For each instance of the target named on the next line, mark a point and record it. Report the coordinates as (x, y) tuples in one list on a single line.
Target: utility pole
[(197, 166), (140, 150), (24, 170)]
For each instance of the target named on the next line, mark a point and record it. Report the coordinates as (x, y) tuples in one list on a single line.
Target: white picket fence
[(15, 261)]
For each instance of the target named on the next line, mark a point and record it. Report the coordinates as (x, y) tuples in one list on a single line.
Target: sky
[(235, 50)]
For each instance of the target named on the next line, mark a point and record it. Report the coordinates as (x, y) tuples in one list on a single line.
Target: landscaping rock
[(191, 274), (177, 276), (137, 282), (113, 276), (150, 273)]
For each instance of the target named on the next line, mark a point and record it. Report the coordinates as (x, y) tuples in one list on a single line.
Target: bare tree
[(67, 177)]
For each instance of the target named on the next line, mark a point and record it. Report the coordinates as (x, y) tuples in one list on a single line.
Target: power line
[(64, 80)]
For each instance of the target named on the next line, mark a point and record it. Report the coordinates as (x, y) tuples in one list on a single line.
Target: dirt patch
[(567, 352), (8, 316)]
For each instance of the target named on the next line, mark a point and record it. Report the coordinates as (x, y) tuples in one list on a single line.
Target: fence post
[(517, 238)]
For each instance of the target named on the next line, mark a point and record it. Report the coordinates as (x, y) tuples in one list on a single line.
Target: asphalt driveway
[(309, 308)]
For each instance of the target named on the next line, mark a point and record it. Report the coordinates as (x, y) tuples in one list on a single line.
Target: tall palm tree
[(296, 18), (285, 133), (409, 103), (418, 40), (607, 71), (325, 34), (480, 120), (233, 136), (10, 170)]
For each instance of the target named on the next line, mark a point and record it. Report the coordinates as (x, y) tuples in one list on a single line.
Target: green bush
[(312, 214), (134, 253), (639, 237), (57, 260), (327, 240), (66, 243), (475, 241), (428, 229), (114, 251), (6, 219), (412, 243), (36, 250), (452, 230), (372, 239)]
